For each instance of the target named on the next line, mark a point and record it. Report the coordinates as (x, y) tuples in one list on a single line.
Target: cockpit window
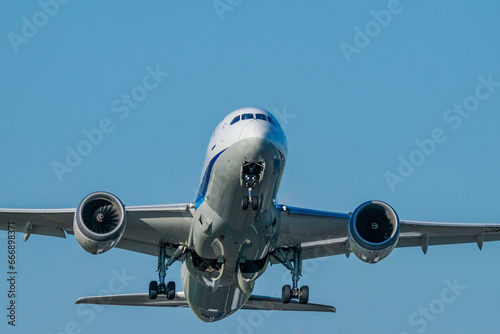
[(252, 116), (236, 119)]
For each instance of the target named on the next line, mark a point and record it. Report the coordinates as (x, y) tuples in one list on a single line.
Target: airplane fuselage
[(236, 221)]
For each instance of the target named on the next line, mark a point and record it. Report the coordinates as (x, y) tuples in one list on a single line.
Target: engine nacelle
[(373, 231), (99, 222)]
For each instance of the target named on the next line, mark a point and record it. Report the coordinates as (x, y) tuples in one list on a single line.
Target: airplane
[(235, 228)]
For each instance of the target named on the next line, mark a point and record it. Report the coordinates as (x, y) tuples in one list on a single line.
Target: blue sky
[(356, 86)]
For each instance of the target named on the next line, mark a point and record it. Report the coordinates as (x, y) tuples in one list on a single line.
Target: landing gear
[(255, 203), (251, 174), (164, 261), (304, 294), (153, 290), (288, 292), (170, 290), (244, 202), (247, 200)]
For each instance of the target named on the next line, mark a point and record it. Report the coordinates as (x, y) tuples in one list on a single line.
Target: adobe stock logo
[(454, 118), (223, 6), (87, 313), (373, 28), (122, 107), (30, 28), (421, 319)]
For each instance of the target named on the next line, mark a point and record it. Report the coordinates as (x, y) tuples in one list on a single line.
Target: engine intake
[(99, 222), (373, 231)]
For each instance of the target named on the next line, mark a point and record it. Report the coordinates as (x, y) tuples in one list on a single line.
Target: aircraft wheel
[(286, 294), (170, 290), (153, 290), (244, 203), (255, 203), (304, 294)]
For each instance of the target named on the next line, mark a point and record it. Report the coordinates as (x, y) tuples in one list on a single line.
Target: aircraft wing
[(254, 302), (322, 233), (147, 226), (318, 233)]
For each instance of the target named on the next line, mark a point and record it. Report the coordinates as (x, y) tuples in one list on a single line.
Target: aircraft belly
[(211, 305)]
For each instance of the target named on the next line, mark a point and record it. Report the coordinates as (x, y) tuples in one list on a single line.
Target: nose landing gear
[(250, 200), (251, 175)]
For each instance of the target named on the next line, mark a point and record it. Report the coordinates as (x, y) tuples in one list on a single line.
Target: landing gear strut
[(292, 292), (164, 261)]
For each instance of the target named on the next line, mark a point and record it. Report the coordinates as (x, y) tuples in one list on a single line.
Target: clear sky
[(397, 101)]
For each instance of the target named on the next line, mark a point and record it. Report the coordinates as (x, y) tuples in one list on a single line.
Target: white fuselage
[(230, 243)]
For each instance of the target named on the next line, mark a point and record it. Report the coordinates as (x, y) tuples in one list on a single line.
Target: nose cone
[(244, 124), (255, 129), (263, 132)]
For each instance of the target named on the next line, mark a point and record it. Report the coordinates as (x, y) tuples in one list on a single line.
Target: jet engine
[(99, 222), (373, 231)]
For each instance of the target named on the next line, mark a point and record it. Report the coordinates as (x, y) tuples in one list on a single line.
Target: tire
[(153, 290), (304, 294), (286, 294), (255, 203), (170, 290), (244, 203)]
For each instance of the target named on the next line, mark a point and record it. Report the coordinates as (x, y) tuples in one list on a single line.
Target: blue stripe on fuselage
[(202, 191)]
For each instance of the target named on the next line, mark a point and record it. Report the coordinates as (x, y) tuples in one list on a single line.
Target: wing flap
[(415, 233), (54, 223), (48, 231), (150, 225), (318, 233)]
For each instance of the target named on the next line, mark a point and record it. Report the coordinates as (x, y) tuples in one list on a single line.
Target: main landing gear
[(251, 175), (292, 292), (164, 261)]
